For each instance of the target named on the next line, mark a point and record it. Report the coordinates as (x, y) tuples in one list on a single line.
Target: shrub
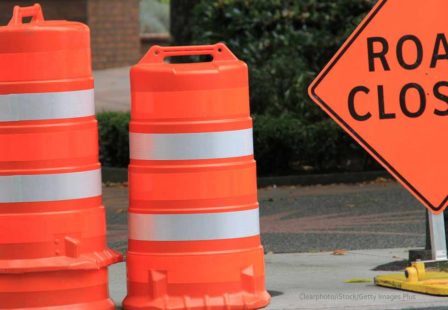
[(286, 145), (114, 138), (283, 145), (285, 43)]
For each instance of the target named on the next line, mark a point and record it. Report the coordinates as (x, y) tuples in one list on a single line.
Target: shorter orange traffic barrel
[(53, 249), (194, 238)]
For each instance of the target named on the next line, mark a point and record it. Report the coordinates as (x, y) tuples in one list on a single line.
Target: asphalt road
[(374, 215)]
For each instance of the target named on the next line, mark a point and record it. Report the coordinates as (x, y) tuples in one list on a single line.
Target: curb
[(119, 175), (114, 175), (323, 179)]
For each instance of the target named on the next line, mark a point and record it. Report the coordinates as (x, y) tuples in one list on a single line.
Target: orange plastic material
[(53, 254), (386, 87), (43, 56), (176, 99)]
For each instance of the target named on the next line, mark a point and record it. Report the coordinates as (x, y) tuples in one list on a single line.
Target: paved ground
[(318, 281), (314, 219), (112, 89), (310, 219), (295, 219), (373, 215)]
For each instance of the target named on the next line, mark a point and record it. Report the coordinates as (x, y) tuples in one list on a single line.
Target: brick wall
[(114, 25)]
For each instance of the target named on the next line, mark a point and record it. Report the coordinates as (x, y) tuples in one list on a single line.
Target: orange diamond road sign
[(388, 88)]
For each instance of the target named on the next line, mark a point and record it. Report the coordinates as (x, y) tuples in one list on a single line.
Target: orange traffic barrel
[(53, 251), (194, 238)]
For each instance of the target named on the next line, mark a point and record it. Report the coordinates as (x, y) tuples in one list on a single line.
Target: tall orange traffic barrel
[(53, 251), (194, 238)]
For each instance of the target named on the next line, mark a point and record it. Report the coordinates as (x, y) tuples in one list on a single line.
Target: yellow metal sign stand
[(416, 278)]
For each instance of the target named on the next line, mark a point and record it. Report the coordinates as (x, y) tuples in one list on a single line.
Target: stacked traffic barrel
[(53, 251), (193, 218)]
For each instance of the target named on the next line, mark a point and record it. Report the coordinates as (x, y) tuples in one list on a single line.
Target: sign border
[(312, 92)]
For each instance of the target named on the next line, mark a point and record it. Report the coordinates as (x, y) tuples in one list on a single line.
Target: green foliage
[(288, 145), (114, 138), (285, 43)]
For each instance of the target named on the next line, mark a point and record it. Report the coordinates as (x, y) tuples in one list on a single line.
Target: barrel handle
[(34, 11), (157, 54)]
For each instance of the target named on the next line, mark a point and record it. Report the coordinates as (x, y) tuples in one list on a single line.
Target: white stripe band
[(43, 106), (50, 187), (188, 146), (189, 227)]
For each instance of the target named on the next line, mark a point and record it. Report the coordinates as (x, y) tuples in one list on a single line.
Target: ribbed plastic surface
[(193, 218), (53, 251)]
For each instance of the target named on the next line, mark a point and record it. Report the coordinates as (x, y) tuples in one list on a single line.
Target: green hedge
[(283, 145), (114, 138), (286, 145)]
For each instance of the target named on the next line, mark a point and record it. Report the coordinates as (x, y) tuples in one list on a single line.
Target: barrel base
[(232, 279), (106, 304), (56, 290), (224, 302)]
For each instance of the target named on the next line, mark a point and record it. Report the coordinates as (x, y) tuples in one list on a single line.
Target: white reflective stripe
[(43, 106), (187, 146), (189, 227), (50, 187)]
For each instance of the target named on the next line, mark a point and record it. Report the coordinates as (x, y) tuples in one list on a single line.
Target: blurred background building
[(154, 23)]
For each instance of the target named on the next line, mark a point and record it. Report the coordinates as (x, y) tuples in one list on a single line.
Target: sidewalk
[(311, 219), (317, 281), (112, 89)]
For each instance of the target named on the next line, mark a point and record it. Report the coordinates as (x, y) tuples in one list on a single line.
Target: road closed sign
[(388, 88)]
